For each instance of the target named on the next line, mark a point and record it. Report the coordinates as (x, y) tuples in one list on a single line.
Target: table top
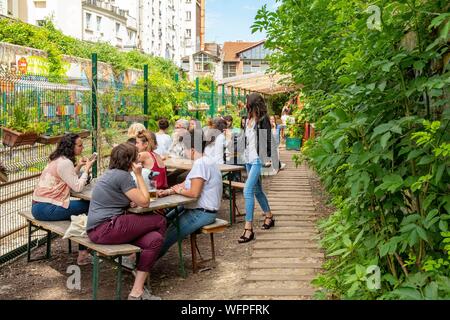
[(155, 204), (186, 164)]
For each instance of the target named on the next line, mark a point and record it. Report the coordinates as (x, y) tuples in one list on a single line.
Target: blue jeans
[(51, 212), (278, 133), (253, 188), (190, 221)]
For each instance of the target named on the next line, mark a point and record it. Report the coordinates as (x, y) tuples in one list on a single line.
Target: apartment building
[(107, 21), (166, 28), (66, 14), (193, 25)]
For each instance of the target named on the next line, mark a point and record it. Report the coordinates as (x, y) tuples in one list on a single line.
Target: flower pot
[(12, 138), (44, 139), (293, 144), (134, 118)]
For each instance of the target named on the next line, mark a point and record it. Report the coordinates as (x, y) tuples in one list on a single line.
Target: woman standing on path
[(257, 132)]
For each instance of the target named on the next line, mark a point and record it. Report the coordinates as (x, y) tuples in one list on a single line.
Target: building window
[(40, 23), (88, 20), (229, 70), (188, 16), (40, 4), (117, 28), (188, 1), (131, 35), (203, 63), (254, 66), (188, 33), (99, 23)]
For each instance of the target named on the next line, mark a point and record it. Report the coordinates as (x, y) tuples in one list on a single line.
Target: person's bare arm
[(140, 195), (194, 191)]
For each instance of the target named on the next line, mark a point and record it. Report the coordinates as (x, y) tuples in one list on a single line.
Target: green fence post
[(39, 108), (224, 102), (197, 94), (177, 77), (239, 94), (211, 107), (146, 94), (94, 112), (4, 109), (232, 95)]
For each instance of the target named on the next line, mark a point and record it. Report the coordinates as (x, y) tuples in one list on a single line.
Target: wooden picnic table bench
[(218, 226), (172, 201), (233, 186), (111, 252)]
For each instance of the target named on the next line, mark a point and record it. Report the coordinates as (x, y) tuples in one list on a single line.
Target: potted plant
[(119, 117), (22, 125), (295, 132), (76, 125), (52, 136)]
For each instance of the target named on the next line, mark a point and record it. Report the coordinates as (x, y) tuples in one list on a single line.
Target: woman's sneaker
[(146, 295)]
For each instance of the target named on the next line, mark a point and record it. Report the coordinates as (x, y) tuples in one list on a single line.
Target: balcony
[(106, 6)]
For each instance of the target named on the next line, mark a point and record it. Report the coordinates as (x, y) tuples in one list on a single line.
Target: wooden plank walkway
[(287, 257)]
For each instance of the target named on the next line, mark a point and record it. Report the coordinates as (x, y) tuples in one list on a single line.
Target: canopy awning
[(269, 84)]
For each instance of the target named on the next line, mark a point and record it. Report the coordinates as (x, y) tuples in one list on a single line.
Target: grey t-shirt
[(108, 197)]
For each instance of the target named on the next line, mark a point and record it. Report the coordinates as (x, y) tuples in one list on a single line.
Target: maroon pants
[(145, 231)]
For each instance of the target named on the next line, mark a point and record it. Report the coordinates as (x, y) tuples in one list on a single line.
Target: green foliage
[(55, 44), (276, 102), (380, 102), (23, 116)]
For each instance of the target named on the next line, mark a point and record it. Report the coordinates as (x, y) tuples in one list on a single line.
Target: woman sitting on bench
[(109, 223), (203, 182), (51, 198)]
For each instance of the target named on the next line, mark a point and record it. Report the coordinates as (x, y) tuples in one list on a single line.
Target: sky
[(230, 20)]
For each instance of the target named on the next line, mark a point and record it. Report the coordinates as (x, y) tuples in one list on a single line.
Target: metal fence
[(31, 102)]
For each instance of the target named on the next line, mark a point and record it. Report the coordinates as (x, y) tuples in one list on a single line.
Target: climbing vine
[(56, 44)]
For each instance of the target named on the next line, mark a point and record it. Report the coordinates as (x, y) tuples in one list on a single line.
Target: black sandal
[(269, 225), (244, 239)]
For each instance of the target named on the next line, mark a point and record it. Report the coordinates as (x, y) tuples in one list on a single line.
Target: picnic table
[(186, 164), (172, 201)]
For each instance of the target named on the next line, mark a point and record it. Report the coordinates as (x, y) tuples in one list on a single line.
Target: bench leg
[(119, 280), (70, 245), (234, 205), (180, 248), (31, 230), (49, 244), (30, 226), (94, 275), (193, 252), (213, 252), (231, 198)]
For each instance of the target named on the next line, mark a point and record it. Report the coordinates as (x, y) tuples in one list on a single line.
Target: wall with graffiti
[(22, 60)]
